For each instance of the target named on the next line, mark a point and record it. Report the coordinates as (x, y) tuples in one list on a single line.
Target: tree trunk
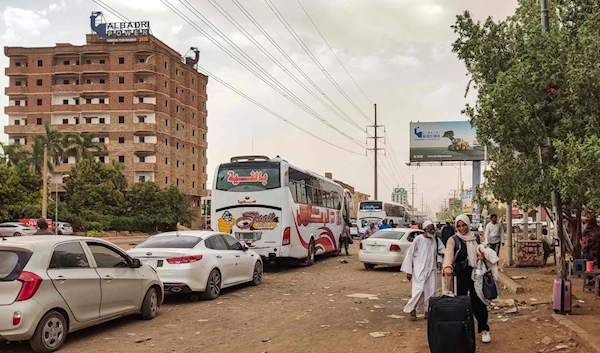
[(577, 234)]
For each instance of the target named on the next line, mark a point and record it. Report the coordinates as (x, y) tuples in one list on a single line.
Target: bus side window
[(309, 194), (294, 190)]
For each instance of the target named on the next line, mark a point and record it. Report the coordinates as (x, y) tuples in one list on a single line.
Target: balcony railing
[(143, 66), (14, 109), (16, 70), (144, 86), (23, 129), (12, 90)]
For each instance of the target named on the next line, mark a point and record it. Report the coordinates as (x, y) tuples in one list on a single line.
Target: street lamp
[(63, 176)]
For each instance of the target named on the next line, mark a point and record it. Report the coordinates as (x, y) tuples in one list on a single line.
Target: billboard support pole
[(375, 150), (476, 182)]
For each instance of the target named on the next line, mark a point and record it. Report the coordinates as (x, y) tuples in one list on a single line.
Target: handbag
[(490, 291)]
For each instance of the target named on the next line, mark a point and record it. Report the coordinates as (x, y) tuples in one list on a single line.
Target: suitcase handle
[(447, 291)]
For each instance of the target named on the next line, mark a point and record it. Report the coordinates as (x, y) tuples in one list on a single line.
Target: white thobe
[(421, 262)]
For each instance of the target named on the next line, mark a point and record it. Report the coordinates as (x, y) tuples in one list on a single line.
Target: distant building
[(356, 195), (399, 196)]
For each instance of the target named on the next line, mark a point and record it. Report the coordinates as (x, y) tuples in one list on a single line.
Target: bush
[(94, 226), (130, 224)]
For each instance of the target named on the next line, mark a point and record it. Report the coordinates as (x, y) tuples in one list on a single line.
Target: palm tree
[(54, 142), (119, 181), (82, 147), (12, 154)]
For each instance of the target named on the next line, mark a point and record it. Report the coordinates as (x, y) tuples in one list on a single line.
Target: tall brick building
[(139, 97)]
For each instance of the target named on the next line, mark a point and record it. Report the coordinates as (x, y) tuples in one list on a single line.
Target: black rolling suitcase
[(450, 324)]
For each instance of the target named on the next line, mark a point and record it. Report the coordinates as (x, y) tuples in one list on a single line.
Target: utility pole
[(556, 200), (422, 203), (375, 151), (45, 183), (412, 190)]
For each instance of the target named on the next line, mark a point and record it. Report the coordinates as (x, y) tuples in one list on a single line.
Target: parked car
[(15, 229), (386, 247), (63, 228), (199, 261), (54, 285)]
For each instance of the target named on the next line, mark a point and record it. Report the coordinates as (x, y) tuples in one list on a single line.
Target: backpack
[(447, 232)]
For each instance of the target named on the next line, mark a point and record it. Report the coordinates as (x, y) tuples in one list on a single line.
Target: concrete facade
[(139, 98)]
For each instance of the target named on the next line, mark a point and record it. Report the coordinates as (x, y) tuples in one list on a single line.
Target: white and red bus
[(279, 210)]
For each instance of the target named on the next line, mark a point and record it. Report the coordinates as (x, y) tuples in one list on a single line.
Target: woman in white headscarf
[(461, 257)]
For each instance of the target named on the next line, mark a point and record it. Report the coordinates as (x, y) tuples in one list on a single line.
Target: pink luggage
[(561, 296)]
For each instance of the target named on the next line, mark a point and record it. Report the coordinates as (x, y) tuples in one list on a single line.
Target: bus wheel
[(310, 259)]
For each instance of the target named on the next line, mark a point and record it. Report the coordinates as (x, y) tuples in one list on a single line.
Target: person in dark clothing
[(42, 227), (460, 261), (447, 231)]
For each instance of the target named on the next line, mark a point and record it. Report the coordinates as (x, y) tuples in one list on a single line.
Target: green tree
[(179, 207), (145, 203), (82, 146), (11, 190)]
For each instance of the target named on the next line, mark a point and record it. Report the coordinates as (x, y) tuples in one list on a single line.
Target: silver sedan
[(15, 229)]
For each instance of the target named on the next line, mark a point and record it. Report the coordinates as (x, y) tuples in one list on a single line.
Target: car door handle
[(219, 256), (237, 255), (108, 278), (61, 279)]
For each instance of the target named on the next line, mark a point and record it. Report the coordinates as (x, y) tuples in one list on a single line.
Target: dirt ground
[(305, 309)]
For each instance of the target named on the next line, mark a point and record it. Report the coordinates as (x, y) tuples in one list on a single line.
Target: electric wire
[(111, 10)]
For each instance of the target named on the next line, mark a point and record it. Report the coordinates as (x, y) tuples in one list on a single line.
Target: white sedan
[(199, 261), (386, 247)]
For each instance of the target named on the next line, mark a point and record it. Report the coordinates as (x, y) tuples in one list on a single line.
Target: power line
[(291, 30), (333, 52), (111, 10), (257, 44), (267, 109), (288, 95), (382, 175), (395, 160)]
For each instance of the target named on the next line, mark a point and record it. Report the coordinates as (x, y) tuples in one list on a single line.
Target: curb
[(583, 334), (510, 284)]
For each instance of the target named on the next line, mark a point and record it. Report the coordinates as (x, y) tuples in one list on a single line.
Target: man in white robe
[(421, 262)]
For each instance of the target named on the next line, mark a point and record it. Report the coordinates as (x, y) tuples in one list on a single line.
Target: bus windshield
[(248, 176), (371, 206)]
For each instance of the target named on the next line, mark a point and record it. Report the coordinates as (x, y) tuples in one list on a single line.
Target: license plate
[(248, 236), (152, 263)]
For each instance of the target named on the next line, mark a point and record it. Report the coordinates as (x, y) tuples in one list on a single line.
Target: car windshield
[(66, 225), (170, 242), (12, 263), (388, 234)]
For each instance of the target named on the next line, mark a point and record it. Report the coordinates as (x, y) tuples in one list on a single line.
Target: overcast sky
[(398, 51)]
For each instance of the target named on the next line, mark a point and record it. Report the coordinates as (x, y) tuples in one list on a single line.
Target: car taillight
[(184, 259), (360, 245), (287, 236), (17, 318), (31, 283), (395, 247)]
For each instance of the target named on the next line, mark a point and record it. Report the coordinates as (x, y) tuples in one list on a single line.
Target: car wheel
[(150, 304), (310, 259), (213, 286), (50, 333), (16, 234), (257, 274), (369, 266)]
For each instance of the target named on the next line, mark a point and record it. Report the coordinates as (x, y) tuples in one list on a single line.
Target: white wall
[(71, 160), (57, 178), (57, 99), (13, 118), (147, 159), (57, 119), (149, 176), (12, 102), (20, 141), (94, 101), (150, 117), (97, 139), (96, 118), (147, 139)]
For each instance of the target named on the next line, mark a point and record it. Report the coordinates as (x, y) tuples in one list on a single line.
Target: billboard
[(444, 141)]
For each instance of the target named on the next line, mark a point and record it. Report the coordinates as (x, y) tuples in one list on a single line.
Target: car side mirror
[(245, 247), (136, 263)]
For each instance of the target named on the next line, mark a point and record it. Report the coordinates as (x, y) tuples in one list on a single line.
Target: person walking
[(460, 260), (42, 227), (494, 234), (447, 231), (423, 258), (346, 237)]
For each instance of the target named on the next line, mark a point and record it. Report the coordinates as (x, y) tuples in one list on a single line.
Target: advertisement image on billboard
[(444, 141)]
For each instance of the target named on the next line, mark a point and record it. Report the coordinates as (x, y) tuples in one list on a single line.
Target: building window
[(88, 120), (177, 109), (121, 99), (141, 60), (39, 82), (142, 118), (121, 159), (102, 159), (88, 62), (76, 100), (193, 167), (17, 122), (88, 81), (102, 139), (193, 81), (177, 128), (66, 62), (39, 101), (193, 115), (176, 72), (166, 122), (38, 121), (142, 159), (166, 84), (142, 178), (193, 184), (88, 101), (166, 180), (102, 81), (193, 98), (167, 160), (17, 103), (177, 182), (121, 139), (177, 145), (102, 61), (203, 137), (166, 103), (66, 82), (102, 100), (166, 65), (65, 101), (76, 121), (177, 164), (176, 89), (193, 132), (166, 142), (142, 139), (40, 63), (121, 79), (65, 121), (17, 83), (203, 169), (102, 120), (141, 99), (121, 61), (121, 120), (193, 150)]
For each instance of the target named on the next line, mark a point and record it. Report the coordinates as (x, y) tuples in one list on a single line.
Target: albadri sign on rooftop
[(119, 29)]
